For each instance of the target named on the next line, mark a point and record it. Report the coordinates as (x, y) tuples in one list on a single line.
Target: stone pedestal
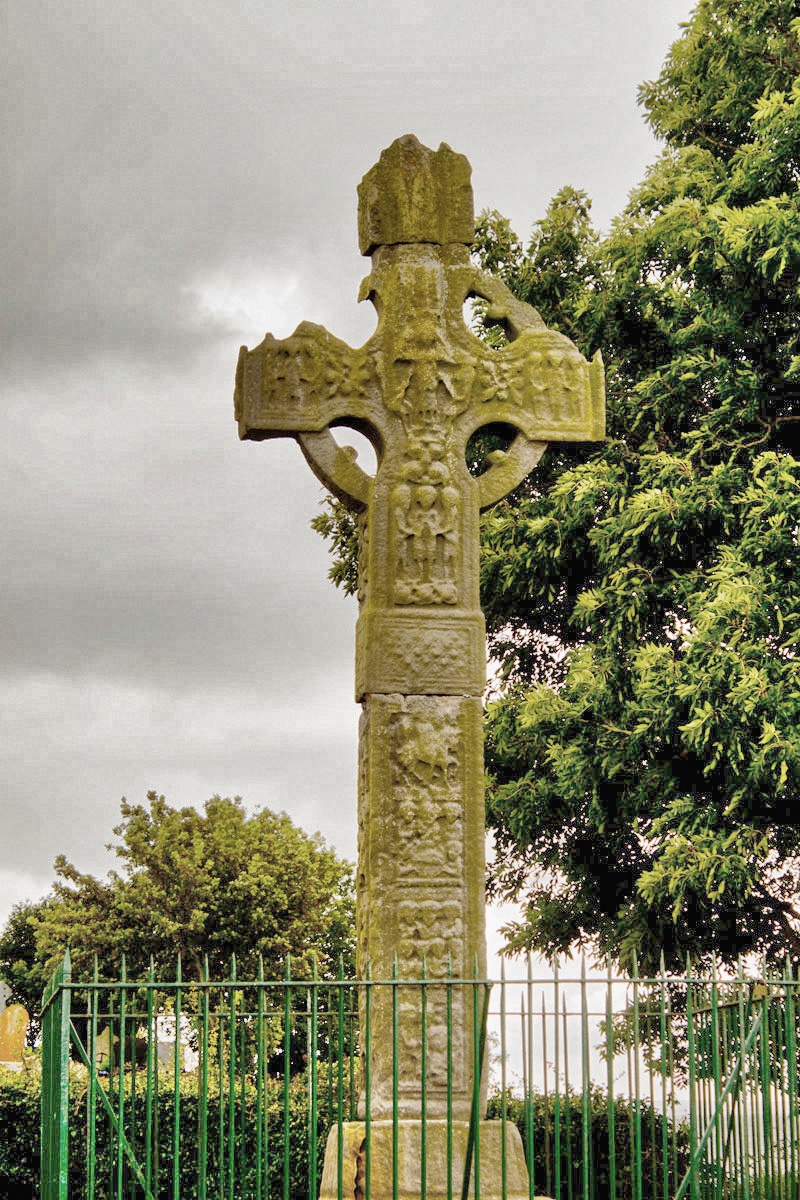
[(444, 1173)]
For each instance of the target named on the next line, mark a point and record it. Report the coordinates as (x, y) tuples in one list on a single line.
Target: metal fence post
[(55, 1084)]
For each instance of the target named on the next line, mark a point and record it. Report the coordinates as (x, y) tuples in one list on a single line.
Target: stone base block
[(409, 1162)]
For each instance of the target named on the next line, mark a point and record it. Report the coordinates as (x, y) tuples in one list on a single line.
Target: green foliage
[(339, 527), (730, 55), (19, 1135), (561, 263), (646, 779), (213, 883), (651, 1129), (20, 967)]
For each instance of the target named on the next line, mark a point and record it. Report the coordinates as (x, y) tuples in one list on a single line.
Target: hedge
[(20, 1120)]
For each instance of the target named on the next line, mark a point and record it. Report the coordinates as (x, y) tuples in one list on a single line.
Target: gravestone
[(419, 388), (106, 1054), (103, 1047), (14, 1021)]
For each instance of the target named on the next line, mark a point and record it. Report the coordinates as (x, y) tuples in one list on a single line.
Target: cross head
[(419, 388)]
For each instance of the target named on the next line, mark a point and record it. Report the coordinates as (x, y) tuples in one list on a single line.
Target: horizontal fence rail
[(621, 1088)]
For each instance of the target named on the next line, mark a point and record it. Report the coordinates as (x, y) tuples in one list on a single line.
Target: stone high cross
[(418, 389)]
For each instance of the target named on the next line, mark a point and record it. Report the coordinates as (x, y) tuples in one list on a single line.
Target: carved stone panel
[(426, 525), (420, 888), (420, 653)]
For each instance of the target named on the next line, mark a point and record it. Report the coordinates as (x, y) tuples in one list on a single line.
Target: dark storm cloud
[(142, 537), (152, 144), (167, 622), (148, 147)]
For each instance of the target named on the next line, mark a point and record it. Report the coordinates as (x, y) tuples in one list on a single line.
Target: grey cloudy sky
[(180, 179)]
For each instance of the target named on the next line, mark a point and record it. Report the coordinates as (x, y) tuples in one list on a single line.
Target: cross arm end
[(299, 384)]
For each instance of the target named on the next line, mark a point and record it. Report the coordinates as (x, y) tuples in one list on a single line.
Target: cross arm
[(300, 384), (298, 387), (539, 384)]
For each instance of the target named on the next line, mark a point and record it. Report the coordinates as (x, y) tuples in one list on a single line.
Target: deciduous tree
[(212, 883), (20, 966), (644, 600)]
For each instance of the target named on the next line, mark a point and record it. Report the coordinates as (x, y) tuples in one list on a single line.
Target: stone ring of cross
[(337, 467)]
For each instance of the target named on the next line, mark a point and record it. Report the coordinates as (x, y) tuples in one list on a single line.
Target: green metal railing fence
[(622, 1089)]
